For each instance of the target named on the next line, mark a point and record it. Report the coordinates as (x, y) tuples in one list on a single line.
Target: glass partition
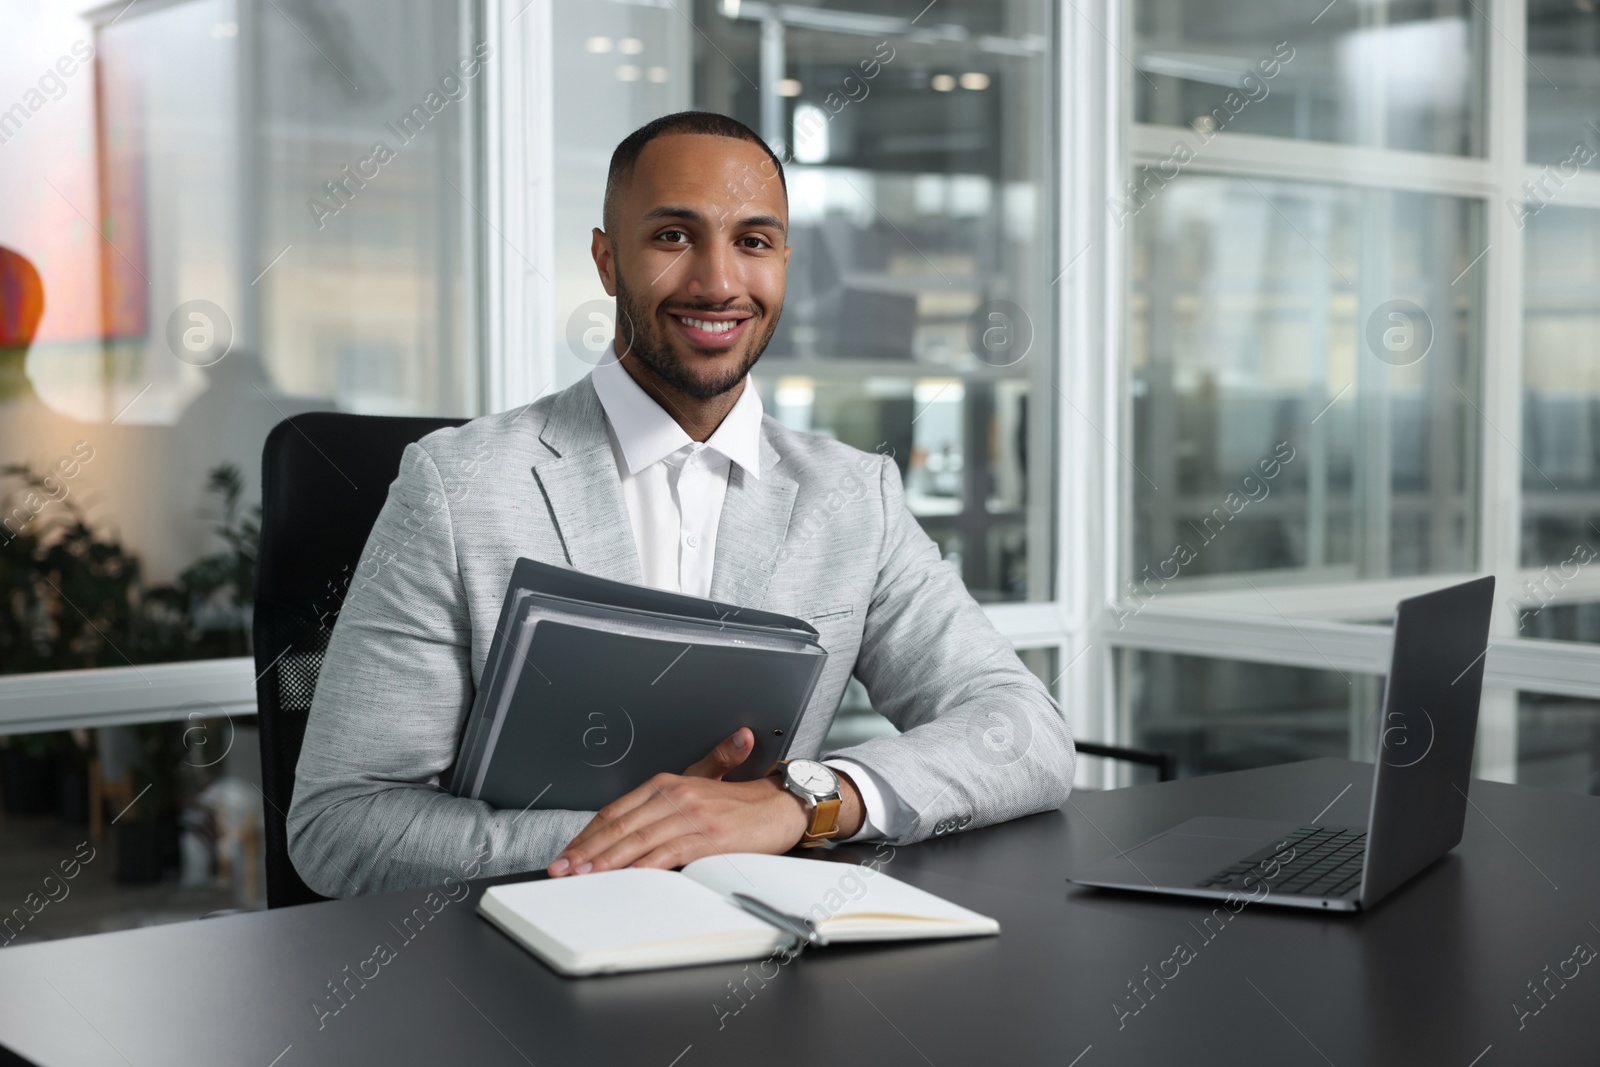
[(286, 225), (214, 214), (1216, 715), (1305, 363), (1379, 74), (1563, 79), (1561, 397), (918, 319), (1558, 743)]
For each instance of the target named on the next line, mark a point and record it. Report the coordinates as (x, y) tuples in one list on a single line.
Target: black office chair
[(324, 478)]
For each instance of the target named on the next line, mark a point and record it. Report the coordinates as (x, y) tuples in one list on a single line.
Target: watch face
[(812, 777)]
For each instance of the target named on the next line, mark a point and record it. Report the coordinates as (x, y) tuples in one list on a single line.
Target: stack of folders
[(593, 686)]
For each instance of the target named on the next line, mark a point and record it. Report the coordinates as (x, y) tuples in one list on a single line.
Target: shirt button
[(693, 540)]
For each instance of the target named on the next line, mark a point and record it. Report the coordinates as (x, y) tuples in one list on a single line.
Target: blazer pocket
[(828, 615)]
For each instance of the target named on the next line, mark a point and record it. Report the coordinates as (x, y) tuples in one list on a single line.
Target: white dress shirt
[(674, 487)]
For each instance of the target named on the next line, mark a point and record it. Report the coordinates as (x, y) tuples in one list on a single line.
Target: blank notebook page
[(621, 909), (841, 890)]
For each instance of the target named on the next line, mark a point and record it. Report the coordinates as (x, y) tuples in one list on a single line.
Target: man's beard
[(639, 325)]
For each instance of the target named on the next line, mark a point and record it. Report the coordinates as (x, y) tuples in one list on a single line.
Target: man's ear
[(605, 260)]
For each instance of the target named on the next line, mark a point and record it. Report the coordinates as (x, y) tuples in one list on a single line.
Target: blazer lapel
[(755, 520), (582, 487)]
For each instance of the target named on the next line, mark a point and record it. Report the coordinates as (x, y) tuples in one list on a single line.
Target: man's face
[(698, 261)]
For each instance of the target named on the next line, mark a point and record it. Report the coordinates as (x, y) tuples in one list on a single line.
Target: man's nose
[(714, 274)]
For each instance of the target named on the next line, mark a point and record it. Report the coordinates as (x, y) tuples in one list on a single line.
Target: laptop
[(1426, 735)]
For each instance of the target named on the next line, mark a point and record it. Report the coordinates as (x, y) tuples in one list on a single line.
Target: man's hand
[(675, 819)]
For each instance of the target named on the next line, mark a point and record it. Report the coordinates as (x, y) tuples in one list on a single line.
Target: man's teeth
[(722, 326)]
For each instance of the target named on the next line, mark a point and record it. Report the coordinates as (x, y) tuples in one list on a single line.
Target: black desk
[(1429, 977)]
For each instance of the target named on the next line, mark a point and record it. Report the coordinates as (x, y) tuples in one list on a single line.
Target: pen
[(802, 929)]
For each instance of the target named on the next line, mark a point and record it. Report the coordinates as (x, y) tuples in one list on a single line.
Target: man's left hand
[(676, 819)]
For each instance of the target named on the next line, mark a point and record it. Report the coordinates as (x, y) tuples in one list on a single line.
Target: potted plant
[(73, 596)]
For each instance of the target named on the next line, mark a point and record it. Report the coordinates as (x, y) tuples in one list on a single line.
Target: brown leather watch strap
[(824, 823)]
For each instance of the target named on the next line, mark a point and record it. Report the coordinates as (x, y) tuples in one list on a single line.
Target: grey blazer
[(823, 534)]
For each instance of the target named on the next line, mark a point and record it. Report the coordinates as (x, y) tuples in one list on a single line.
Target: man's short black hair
[(706, 122)]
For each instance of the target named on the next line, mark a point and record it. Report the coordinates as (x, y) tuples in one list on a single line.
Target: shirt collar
[(648, 434)]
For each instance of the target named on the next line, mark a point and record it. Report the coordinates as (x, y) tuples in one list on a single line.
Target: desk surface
[(1431, 976)]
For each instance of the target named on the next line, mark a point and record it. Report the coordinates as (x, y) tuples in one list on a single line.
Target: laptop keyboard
[(1325, 863)]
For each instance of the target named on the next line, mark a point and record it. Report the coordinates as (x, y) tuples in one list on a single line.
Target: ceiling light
[(810, 134), (788, 87), (974, 79), (656, 74), (598, 44), (627, 73), (943, 83), (632, 46)]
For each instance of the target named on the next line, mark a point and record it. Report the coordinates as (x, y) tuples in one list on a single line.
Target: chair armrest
[(1162, 761)]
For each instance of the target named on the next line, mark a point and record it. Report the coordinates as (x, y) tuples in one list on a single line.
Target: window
[(1216, 715), (1562, 78), (1297, 406), (1386, 75), (1558, 742), (918, 320), (1561, 478), (919, 316), (286, 195), (1390, 268), (213, 215), (1557, 213)]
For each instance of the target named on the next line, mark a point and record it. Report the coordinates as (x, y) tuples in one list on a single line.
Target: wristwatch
[(818, 789)]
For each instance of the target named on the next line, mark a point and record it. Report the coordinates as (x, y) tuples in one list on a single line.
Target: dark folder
[(594, 686)]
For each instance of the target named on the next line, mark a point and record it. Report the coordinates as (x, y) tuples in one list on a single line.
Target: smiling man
[(660, 468)]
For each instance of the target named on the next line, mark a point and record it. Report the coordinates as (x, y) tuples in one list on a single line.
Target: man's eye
[(672, 236), (754, 242)]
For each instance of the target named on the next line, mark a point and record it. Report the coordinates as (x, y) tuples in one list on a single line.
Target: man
[(660, 468)]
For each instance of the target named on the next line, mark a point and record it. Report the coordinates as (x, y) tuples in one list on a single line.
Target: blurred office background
[(1201, 333)]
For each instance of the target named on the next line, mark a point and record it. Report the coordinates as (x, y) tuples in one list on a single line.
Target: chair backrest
[(324, 478)]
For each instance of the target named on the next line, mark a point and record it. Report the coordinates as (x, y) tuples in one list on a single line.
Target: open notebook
[(637, 919)]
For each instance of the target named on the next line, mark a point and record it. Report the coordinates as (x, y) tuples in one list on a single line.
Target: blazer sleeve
[(395, 688), (981, 740)]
